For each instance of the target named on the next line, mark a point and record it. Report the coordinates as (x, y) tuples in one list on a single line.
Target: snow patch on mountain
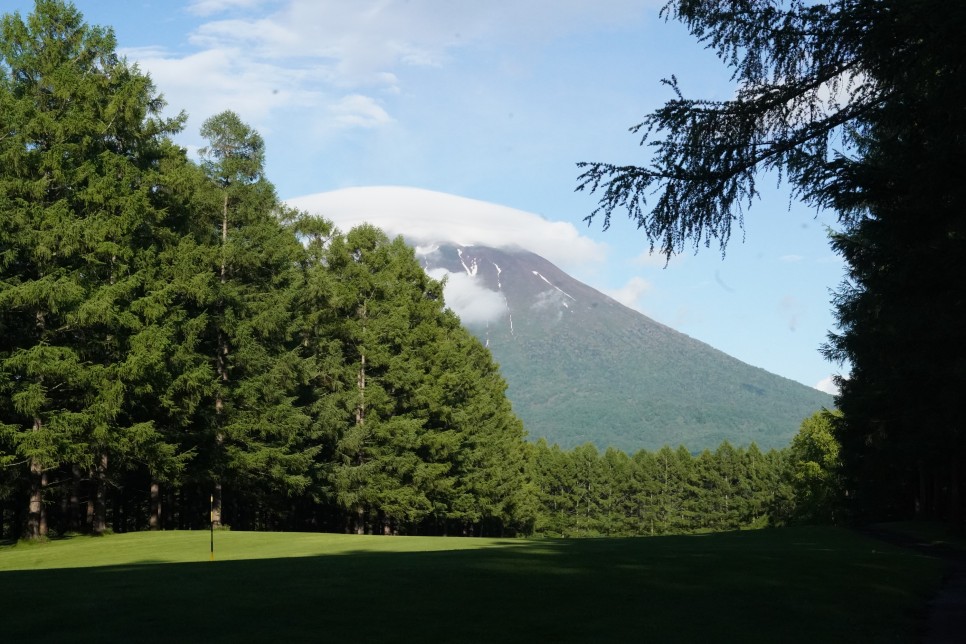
[(473, 268), (537, 273)]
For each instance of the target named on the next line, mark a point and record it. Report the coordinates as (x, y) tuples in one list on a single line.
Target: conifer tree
[(79, 152), (554, 482), (645, 489), (375, 446), (476, 430), (253, 437), (426, 434), (617, 487)]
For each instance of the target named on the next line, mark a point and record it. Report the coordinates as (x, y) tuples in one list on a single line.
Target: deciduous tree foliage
[(815, 464), (859, 106)]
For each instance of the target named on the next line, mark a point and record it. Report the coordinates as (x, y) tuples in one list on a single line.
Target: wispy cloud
[(357, 110), (213, 80), (324, 63), (209, 7)]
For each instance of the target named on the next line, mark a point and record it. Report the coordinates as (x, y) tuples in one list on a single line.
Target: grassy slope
[(793, 585)]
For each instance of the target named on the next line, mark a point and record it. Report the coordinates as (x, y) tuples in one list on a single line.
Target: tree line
[(583, 492)]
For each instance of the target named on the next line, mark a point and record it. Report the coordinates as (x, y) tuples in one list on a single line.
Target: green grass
[(790, 585)]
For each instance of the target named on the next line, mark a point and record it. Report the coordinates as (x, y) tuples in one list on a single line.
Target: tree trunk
[(154, 514), (955, 513), (361, 383), (182, 510), (922, 503), (36, 522), (172, 509), (73, 505), (117, 519), (387, 529), (99, 525), (216, 506), (222, 367), (43, 510), (224, 236)]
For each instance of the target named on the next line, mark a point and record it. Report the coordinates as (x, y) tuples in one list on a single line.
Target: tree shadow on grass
[(768, 586)]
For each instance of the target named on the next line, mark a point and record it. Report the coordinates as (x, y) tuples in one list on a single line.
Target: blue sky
[(494, 101)]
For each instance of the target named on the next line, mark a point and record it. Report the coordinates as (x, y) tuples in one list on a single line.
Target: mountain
[(581, 367)]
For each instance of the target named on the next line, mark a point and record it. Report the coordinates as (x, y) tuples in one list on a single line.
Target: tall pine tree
[(253, 439), (80, 147)]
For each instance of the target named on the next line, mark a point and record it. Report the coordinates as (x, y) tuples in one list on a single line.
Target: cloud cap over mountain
[(426, 217)]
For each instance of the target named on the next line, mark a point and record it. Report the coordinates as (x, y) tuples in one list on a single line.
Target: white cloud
[(425, 216), (213, 80), (791, 259), (469, 299), (261, 38), (359, 111), (827, 385), (631, 293)]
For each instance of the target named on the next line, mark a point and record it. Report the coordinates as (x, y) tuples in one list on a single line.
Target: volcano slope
[(582, 367)]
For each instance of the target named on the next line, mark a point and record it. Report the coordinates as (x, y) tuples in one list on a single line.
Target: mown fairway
[(790, 585)]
